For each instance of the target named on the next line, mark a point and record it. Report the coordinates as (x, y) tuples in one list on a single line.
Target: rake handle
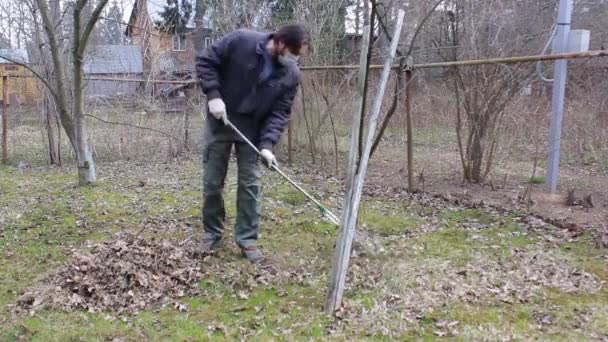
[(331, 216)]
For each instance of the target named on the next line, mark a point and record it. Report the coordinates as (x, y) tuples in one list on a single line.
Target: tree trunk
[(84, 155), (53, 131), (476, 159), (186, 129)]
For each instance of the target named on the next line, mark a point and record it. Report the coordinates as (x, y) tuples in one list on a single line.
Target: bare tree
[(474, 31), (67, 83)]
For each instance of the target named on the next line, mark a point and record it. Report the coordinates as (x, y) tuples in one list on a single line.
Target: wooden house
[(165, 55)]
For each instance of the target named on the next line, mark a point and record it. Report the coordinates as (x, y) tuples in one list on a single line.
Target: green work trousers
[(217, 147)]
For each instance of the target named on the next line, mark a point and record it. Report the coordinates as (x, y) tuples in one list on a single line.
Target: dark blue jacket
[(230, 69)]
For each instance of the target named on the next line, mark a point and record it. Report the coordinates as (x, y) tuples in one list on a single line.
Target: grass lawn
[(421, 273)]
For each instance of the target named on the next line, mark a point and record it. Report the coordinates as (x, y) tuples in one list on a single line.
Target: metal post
[(4, 119), (559, 90)]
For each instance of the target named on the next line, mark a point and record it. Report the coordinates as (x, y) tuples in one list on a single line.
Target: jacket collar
[(263, 42)]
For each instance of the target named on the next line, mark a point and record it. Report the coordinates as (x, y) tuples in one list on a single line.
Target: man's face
[(284, 51)]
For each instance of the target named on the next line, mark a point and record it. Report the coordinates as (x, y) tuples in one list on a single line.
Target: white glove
[(217, 108), (269, 159)]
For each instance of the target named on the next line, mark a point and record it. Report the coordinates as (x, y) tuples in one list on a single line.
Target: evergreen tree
[(175, 16), (4, 42), (110, 30), (282, 11)]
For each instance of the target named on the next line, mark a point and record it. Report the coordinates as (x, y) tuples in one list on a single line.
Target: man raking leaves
[(250, 79)]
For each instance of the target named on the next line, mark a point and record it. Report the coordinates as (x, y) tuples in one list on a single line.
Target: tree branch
[(370, 50), (134, 126), (419, 28), (389, 113), (59, 70)]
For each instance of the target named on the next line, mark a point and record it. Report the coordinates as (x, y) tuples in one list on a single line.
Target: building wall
[(166, 45), (147, 36), (22, 88)]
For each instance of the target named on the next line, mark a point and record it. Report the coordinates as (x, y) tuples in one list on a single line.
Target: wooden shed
[(22, 85)]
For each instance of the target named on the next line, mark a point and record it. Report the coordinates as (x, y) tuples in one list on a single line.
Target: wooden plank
[(353, 198)]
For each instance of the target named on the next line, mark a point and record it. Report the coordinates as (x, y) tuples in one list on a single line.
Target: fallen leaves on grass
[(125, 274), (130, 273)]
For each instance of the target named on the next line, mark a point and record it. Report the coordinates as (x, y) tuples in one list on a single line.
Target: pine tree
[(4, 42), (110, 30), (175, 16), (282, 11)]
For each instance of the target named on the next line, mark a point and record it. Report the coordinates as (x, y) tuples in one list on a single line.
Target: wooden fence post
[(355, 188)]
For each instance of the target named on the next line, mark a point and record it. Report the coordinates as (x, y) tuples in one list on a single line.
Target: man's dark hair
[(294, 36)]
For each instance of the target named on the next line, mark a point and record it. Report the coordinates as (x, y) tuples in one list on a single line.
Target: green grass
[(537, 180), (456, 217), (37, 240), (387, 224), (264, 314)]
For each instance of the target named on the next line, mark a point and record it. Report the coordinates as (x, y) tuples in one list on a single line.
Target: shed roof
[(19, 55), (114, 59)]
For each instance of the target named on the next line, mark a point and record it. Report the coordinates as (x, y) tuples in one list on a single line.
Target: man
[(250, 79)]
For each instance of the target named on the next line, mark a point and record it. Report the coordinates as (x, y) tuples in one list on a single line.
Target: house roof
[(19, 55), (114, 59)]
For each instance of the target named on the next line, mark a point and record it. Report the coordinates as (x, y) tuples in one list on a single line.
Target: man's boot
[(253, 254)]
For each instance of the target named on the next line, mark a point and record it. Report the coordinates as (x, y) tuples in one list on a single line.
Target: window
[(207, 41), (179, 42), (11, 68)]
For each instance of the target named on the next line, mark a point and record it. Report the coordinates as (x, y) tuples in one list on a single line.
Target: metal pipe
[(559, 91)]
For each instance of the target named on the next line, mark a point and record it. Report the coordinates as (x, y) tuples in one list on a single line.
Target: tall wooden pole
[(352, 200), (4, 119)]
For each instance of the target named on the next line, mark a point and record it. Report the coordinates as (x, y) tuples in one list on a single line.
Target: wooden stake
[(4, 119), (355, 188)]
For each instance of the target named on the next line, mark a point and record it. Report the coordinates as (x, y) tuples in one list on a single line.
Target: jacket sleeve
[(209, 64), (278, 119)]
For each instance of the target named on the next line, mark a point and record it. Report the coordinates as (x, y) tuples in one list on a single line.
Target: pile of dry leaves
[(125, 274)]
